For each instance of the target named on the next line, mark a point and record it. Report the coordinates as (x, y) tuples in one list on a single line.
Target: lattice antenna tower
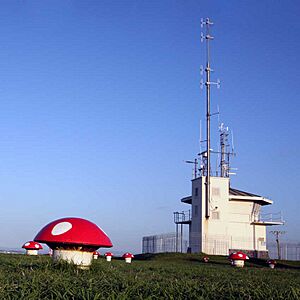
[(226, 151)]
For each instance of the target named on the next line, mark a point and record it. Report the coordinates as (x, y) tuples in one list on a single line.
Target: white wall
[(229, 225), (196, 226)]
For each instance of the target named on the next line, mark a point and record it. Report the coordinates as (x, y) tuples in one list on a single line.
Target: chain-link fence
[(167, 242), (287, 250), (219, 245)]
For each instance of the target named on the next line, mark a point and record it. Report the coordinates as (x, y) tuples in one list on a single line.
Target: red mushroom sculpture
[(32, 247), (238, 259), (108, 256), (206, 259), (271, 263), (128, 257), (96, 254), (73, 240)]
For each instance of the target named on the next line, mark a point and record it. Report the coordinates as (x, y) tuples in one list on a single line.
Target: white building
[(235, 221), (221, 219)]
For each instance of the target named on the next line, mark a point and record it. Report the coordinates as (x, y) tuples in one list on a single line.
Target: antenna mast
[(225, 152), (208, 83), (224, 163)]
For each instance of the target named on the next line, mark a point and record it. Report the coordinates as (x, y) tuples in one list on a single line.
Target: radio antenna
[(208, 23)]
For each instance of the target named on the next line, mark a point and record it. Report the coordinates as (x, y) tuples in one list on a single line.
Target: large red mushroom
[(73, 240), (238, 259), (32, 247)]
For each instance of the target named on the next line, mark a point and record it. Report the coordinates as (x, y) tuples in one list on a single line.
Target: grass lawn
[(163, 276)]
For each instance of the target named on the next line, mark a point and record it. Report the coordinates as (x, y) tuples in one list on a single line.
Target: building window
[(196, 210), (216, 191), (215, 215), (262, 241), (196, 192)]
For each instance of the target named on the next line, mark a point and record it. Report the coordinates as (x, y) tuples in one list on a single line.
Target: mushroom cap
[(238, 256), (96, 253), (32, 245), (73, 231), (128, 255), (108, 254), (271, 261)]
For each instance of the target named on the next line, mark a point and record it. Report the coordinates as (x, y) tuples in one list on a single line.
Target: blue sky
[(100, 104)]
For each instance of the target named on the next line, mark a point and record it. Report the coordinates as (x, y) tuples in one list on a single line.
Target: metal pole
[(176, 240), (254, 238), (181, 238), (277, 233), (278, 246), (208, 115)]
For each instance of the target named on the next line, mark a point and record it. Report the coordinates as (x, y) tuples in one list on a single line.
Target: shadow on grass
[(211, 262), (214, 260), (256, 262), (147, 256)]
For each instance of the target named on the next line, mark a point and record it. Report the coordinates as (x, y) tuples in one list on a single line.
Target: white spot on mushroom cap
[(27, 244), (61, 228), (240, 255), (36, 246)]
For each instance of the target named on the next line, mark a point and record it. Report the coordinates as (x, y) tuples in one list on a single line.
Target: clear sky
[(100, 103)]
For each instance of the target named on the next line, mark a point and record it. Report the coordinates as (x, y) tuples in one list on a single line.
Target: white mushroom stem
[(128, 260), (272, 266), (108, 258), (82, 259), (32, 252), (95, 256), (238, 263)]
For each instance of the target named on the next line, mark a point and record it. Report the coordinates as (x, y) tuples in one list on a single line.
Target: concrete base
[(82, 259), (272, 266), (238, 263), (128, 260), (32, 252)]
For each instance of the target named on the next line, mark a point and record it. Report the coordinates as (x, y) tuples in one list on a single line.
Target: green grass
[(163, 276)]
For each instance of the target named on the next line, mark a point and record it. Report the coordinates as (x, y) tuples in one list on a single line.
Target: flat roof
[(238, 195), (236, 192), (187, 200), (268, 223)]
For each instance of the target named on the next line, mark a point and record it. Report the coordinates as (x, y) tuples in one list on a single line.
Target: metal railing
[(270, 217), (181, 217)]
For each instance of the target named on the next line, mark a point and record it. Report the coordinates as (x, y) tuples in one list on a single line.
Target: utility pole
[(277, 233)]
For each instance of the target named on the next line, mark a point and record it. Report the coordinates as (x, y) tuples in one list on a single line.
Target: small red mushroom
[(32, 247), (73, 240), (108, 256), (96, 254), (206, 259), (128, 257), (238, 258), (271, 263)]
